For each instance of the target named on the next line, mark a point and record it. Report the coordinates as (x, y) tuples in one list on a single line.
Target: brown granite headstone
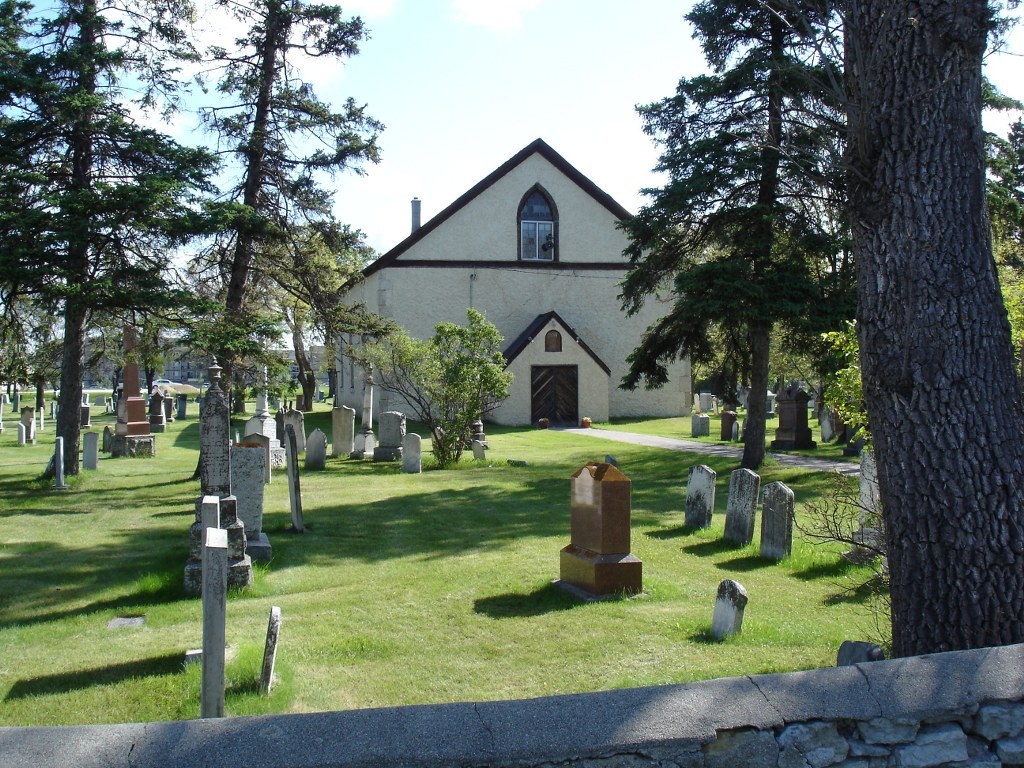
[(598, 561), (135, 421), (793, 432)]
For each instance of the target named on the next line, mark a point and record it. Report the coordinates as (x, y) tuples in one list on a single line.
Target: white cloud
[(501, 15)]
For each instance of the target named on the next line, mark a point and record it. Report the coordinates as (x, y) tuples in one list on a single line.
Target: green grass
[(406, 589)]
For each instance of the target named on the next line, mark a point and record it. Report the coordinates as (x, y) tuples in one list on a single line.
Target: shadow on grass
[(857, 594), (746, 563), (673, 533), (171, 664), (546, 599), (840, 567), (711, 548)]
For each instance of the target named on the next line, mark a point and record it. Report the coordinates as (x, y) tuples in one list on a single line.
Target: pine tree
[(93, 201), (748, 227)]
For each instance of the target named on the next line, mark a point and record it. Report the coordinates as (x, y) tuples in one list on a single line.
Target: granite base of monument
[(259, 548), (597, 574), (133, 446)]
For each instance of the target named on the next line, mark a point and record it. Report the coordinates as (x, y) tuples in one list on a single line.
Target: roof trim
[(538, 146), (523, 340)]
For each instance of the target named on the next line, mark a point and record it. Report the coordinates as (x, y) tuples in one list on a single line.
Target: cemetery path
[(850, 469)]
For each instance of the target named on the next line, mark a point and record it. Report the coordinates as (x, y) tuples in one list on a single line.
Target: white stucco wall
[(513, 295)]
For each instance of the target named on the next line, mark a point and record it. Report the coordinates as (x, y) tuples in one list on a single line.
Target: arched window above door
[(538, 227)]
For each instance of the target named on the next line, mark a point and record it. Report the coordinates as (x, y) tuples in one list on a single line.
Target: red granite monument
[(598, 562)]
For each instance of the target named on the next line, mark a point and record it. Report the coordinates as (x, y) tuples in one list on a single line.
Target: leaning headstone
[(700, 425), (316, 451), (108, 436), (597, 560), (478, 450), (857, 652), (248, 476), (343, 430), (729, 606), (412, 454), (215, 592), (741, 508), (270, 650), (776, 521), (391, 427), (90, 450), (700, 496), (294, 488)]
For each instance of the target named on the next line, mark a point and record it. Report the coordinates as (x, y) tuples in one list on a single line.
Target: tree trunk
[(72, 368), (940, 383), (757, 402)]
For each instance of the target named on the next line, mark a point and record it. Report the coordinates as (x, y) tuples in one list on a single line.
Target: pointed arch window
[(538, 227)]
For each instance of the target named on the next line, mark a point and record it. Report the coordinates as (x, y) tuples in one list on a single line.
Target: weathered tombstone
[(391, 425), (22, 434), (294, 488), (248, 476), (316, 451), (369, 444), (412, 454), (477, 432), (598, 560), (478, 450), (16, 402), (215, 592), (297, 421), (28, 419), (769, 404), (365, 442), (827, 425), (91, 450), (182, 403), (858, 652), (776, 521), (728, 422), (85, 417), (239, 563), (42, 420), (300, 402), (132, 424), (741, 508), (343, 429), (168, 404), (58, 465), (870, 536), (270, 650), (108, 437), (729, 606), (609, 459), (700, 425), (793, 432), (700, 496), (157, 417), (735, 431), (706, 402)]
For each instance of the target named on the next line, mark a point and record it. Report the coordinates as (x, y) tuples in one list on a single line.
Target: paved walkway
[(850, 469)]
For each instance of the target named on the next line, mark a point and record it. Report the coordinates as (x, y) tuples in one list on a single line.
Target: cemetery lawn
[(407, 589)]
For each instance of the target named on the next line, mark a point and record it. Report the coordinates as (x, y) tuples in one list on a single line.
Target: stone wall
[(954, 709)]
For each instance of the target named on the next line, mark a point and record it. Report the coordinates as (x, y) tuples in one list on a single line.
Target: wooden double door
[(555, 393)]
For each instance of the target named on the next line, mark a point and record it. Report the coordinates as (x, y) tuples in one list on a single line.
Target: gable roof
[(538, 146), (522, 341)]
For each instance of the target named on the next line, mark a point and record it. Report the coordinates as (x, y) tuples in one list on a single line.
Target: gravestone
[(215, 593), (42, 420), (270, 650), (598, 561), (131, 418), (700, 425), (28, 420), (477, 432), (1, 420), (182, 402), (85, 417), (262, 423), (728, 425), (735, 431), (793, 432), (91, 450), (58, 465), (479, 452), (827, 425), (294, 486), (777, 521), (700, 496), (248, 476), (297, 421), (870, 535), (16, 402), (300, 402), (391, 425), (730, 603), (157, 417), (108, 438), (343, 430), (22, 434), (609, 459), (316, 451), (741, 508), (706, 402), (858, 652), (769, 404), (239, 562), (412, 454), (168, 404), (365, 442)]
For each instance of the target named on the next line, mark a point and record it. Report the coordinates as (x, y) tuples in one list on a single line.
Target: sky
[(462, 85)]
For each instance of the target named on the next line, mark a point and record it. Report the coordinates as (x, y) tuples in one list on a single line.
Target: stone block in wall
[(1011, 751), (882, 730), (817, 744), (935, 745), (745, 748), (997, 721)]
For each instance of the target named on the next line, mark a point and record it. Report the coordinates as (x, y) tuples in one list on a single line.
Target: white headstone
[(700, 496), (479, 452), (828, 427), (58, 464), (343, 427), (391, 430), (248, 476), (297, 421), (412, 454), (777, 521), (22, 434), (700, 425), (316, 450), (706, 403), (741, 508), (729, 606), (90, 450)]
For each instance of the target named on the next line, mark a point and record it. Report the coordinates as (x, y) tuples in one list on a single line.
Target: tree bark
[(757, 402), (940, 383)]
